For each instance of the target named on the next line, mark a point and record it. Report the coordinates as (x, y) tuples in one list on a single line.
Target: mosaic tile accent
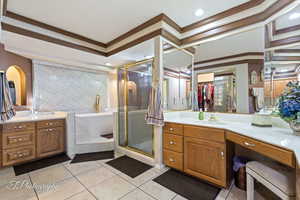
[(57, 87)]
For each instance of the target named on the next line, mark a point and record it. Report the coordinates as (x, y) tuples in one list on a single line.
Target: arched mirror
[(17, 85)]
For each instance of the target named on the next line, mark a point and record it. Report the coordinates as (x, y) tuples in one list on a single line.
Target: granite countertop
[(282, 137), (25, 116)]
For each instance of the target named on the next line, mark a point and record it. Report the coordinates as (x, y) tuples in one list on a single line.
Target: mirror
[(281, 67), (17, 85), (177, 84), (282, 57), (229, 71)]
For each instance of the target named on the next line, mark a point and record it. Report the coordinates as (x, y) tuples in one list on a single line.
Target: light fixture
[(294, 16), (199, 12), (108, 64)]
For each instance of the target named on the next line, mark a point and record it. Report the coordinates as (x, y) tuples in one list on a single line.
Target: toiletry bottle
[(201, 115)]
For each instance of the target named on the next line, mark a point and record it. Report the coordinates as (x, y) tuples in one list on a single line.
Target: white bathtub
[(88, 130)]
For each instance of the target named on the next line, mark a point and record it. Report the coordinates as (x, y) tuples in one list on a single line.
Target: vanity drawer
[(279, 154), (173, 142), (12, 140), (173, 159), (173, 128), (18, 127), (18, 155), (50, 123), (211, 134)]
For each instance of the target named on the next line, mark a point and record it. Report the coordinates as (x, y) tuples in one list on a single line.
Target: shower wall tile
[(65, 88)]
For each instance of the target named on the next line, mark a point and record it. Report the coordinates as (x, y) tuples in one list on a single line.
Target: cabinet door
[(50, 141), (206, 160)]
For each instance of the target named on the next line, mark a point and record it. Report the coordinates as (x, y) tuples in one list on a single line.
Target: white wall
[(250, 41), (65, 88), (242, 83)]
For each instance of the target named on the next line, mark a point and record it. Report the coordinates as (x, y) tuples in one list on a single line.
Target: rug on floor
[(93, 156), (129, 166), (39, 164), (187, 186)]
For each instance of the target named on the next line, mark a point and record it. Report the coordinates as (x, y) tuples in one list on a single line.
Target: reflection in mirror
[(17, 85), (229, 73), (282, 55), (281, 67), (177, 85)]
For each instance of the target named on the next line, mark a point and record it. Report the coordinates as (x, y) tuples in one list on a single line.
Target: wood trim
[(21, 31), (171, 23), (136, 41), (230, 57), (286, 58), (277, 6), (285, 30), (235, 10), (169, 36), (287, 51), (52, 28), (280, 4), (252, 61), (285, 41), (145, 25)]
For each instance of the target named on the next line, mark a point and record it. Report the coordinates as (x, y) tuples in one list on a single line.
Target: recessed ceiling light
[(199, 12), (108, 64), (294, 16)]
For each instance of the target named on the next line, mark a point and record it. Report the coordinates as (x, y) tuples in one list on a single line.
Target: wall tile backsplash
[(63, 88)]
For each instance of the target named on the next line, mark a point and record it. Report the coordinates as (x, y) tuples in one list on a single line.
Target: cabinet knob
[(171, 142), (20, 139), (222, 154), (171, 160), (171, 129), (249, 144)]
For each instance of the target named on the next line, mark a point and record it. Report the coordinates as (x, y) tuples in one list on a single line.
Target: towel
[(7, 110), (259, 97)]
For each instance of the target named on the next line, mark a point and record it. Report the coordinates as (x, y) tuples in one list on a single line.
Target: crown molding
[(120, 42)]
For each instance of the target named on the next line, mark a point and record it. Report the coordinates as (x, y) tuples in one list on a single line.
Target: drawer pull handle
[(172, 142), (20, 139), (249, 144), (171, 129), (171, 160)]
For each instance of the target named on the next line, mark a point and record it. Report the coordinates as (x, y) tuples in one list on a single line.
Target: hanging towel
[(7, 110), (155, 115), (259, 97)]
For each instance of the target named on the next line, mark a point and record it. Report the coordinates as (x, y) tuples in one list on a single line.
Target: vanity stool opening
[(275, 177)]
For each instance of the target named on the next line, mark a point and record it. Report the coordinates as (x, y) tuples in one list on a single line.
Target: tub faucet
[(98, 106)]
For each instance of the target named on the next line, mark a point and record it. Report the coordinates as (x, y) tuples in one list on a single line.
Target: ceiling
[(104, 20)]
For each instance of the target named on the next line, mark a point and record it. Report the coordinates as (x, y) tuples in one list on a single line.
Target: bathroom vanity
[(31, 139), (205, 149)]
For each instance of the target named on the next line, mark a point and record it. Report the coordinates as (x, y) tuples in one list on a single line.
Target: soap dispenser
[(201, 115)]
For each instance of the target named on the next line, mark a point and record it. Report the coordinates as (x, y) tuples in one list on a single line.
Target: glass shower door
[(134, 90)]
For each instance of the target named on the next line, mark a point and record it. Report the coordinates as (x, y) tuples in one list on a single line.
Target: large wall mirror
[(229, 73), (177, 83), (282, 55)]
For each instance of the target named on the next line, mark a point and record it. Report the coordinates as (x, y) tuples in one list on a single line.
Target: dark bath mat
[(93, 156), (108, 136), (39, 164), (187, 186), (129, 166)]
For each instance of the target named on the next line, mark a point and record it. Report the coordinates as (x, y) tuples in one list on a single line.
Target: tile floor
[(90, 181)]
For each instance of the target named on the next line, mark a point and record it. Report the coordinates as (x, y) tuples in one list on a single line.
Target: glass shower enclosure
[(134, 87)]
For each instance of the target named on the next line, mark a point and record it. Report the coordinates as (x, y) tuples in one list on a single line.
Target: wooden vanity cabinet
[(50, 138), (198, 151), (27, 141), (205, 154)]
